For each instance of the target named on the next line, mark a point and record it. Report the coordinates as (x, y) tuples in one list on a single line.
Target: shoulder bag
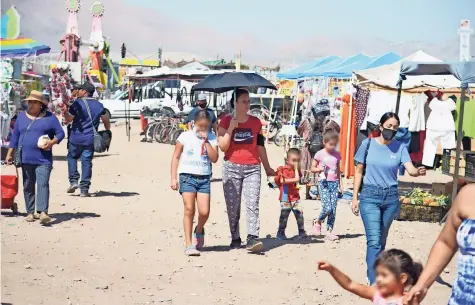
[(364, 165), (99, 144), (17, 156)]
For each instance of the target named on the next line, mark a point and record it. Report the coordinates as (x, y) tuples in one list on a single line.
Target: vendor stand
[(465, 73)]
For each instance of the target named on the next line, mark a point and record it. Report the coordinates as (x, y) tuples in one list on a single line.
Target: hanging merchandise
[(379, 103), (361, 99), (405, 105), (468, 123), (417, 120), (440, 127), (61, 86), (348, 139)]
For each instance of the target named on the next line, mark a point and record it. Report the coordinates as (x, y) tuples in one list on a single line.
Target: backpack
[(315, 143)]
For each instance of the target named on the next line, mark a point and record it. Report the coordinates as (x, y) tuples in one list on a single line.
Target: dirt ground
[(125, 244)]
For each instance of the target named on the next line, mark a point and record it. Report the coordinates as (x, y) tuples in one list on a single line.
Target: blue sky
[(395, 21)]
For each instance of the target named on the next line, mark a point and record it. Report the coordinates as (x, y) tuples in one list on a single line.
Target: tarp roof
[(338, 67), (464, 71), (388, 75), (295, 72)]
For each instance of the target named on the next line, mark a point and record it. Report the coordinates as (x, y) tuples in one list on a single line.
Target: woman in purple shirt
[(36, 157)]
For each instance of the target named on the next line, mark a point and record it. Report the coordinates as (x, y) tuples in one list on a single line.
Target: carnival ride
[(98, 46)]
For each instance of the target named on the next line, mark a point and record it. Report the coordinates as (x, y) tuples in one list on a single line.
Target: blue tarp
[(294, 73), (338, 67)]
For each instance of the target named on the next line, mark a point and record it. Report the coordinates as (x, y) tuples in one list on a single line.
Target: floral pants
[(329, 198), (285, 209)]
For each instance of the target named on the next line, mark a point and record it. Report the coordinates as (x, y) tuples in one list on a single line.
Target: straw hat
[(37, 96)]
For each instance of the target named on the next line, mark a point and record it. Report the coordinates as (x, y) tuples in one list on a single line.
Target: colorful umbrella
[(21, 47)]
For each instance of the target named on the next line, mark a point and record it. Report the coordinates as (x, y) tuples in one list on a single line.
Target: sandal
[(199, 239), (191, 251), (317, 228), (332, 237)]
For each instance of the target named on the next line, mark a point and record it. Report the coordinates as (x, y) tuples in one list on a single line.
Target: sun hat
[(201, 97), (37, 96)]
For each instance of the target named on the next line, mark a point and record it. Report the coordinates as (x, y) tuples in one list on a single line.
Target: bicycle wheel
[(168, 135), (164, 134), (156, 132), (174, 136), (149, 130), (279, 139)]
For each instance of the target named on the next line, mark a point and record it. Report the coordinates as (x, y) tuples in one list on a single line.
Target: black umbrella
[(228, 81)]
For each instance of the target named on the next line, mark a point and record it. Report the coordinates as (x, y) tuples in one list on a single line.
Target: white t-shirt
[(379, 103), (192, 160), (441, 119), (417, 121)]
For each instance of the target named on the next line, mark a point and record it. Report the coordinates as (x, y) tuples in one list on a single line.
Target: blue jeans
[(86, 153), (35, 175), (194, 183), (378, 207)]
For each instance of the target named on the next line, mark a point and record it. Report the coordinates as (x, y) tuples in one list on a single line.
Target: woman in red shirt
[(241, 141)]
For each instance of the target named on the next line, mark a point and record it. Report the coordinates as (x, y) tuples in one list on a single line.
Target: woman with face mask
[(378, 160)]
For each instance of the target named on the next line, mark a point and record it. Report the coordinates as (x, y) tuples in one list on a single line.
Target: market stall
[(465, 73)]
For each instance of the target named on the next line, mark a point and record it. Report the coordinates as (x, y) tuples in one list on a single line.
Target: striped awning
[(21, 47)]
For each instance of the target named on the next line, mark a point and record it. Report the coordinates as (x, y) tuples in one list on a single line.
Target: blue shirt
[(82, 132), (382, 162), (192, 114), (31, 153)]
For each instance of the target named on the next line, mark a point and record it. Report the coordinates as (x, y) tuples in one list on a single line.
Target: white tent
[(388, 75)]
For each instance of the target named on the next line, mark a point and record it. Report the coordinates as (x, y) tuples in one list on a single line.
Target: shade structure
[(465, 72), (228, 81), (388, 75), (337, 67), (21, 47)]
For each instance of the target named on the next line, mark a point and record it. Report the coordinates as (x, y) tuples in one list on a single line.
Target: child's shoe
[(317, 228), (281, 235), (332, 237), (199, 239), (302, 234)]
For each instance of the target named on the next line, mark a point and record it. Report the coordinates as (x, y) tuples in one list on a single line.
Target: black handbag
[(18, 151), (100, 144), (364, 165)]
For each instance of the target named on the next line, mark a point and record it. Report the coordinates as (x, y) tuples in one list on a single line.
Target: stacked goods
[(422, 206), (466, 164)]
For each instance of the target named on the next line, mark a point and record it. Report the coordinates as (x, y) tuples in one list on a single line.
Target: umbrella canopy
[(228, 81), (21, 47)]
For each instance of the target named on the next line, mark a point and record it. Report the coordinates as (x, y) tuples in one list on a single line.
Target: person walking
[(35, 153), (458, 234), (85, 114), (378, 160), (242, 142), (201, 104)]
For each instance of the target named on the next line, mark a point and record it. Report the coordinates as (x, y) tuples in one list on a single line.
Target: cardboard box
[(439, 188), (461, 171)]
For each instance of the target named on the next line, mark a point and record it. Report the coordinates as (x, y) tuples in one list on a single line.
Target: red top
[(243, 148), (292, 190)]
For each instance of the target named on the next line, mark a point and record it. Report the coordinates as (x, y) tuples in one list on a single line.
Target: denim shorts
[(190, 183)]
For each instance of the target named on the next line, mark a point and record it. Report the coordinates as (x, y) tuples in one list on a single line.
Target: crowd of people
[(37, 130), (393, 276)]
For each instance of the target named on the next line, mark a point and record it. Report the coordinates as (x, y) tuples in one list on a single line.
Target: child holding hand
[(396, 272), (287, 178)]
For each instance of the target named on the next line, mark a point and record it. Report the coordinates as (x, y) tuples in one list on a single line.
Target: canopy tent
[(388, 75), (295, 72), (464, 72), (334, 66)]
